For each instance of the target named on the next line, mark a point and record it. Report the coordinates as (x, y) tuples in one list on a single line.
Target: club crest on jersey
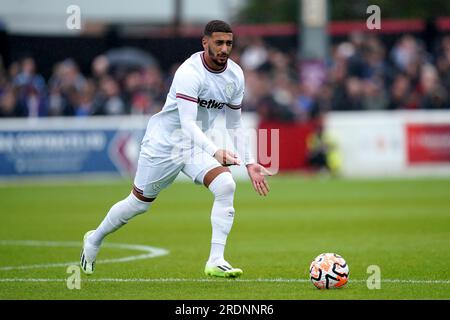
[(229, 89), (210, 104)]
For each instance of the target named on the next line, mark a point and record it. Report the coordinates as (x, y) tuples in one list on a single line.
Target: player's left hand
[(257, 174)]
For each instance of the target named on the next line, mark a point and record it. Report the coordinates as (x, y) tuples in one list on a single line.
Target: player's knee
[(137, 205), (223, 185), (229, 187)]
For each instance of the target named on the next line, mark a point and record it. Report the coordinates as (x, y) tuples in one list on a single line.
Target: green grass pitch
[(400, 225)]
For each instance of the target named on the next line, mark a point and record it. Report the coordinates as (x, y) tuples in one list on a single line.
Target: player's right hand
[(226, 158)]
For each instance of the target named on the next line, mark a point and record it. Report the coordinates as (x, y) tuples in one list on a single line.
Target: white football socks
[(118, 215), (222, 214)]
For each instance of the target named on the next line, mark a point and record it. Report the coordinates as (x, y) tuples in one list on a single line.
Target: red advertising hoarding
[(428, 143), (292, 146)]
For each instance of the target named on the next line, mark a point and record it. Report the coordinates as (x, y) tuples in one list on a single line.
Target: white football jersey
[(211, 90)]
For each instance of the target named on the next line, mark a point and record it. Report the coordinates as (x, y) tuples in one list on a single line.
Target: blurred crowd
[(362, 73), (108, 90)]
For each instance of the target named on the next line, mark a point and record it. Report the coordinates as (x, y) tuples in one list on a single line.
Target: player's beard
[(214, 58)]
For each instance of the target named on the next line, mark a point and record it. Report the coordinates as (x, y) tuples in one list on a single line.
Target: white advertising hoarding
[(375, 143)]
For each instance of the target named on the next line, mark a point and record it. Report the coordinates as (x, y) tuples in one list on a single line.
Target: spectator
[(31, 90), (255, 54), (100, 67), (108, 101), (65, 85), (405, 52), (401, 93), (443, 62), (3, 76), (27, 76), (84, 107), (375, 96), (305, 102), (8, 103), (349, 95), (433, 93)]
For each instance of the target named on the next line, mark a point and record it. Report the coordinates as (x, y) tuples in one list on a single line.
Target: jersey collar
[(208, 68)]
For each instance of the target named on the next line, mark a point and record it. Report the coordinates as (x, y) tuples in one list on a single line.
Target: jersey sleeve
[(187, 83), (188, 114), (236, 101), (187, 86)]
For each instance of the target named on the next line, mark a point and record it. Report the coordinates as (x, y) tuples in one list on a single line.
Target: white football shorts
[(156, 172)]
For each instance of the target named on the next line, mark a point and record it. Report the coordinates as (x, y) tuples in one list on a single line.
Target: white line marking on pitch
[(213, 280), (150, 252)]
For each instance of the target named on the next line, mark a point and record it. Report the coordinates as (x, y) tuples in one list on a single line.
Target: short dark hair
[(216, 26)]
